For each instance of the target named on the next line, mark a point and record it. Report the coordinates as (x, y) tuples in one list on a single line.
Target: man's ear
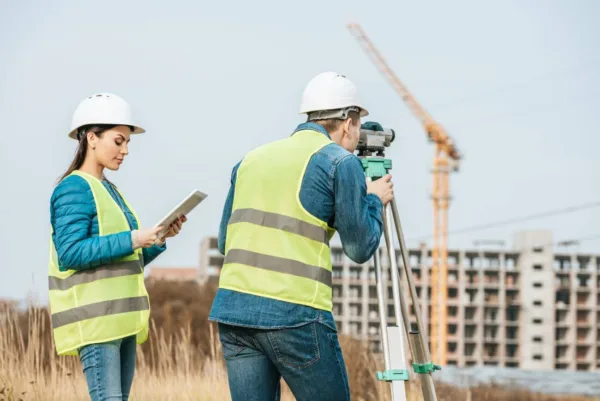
[(347, 124)]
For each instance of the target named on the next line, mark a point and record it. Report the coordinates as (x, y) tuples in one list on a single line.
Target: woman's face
[(110, 148)]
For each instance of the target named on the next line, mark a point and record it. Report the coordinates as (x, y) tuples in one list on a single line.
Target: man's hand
[(382, 188)]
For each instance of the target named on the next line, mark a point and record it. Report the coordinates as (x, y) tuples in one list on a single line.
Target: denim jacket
[(333, 190)]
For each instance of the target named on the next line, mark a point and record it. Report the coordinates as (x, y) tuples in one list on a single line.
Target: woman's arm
[(72, 209), (153, 252)]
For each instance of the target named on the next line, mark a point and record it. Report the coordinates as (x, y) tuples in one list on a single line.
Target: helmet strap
[(339, 114)]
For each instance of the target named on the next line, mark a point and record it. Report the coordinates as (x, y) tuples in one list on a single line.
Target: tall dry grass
[(168, 368), (179, 362)]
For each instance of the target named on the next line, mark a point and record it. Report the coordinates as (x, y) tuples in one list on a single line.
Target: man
[(286, 200)]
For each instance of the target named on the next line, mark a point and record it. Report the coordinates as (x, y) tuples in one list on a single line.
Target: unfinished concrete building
[(527, 307)]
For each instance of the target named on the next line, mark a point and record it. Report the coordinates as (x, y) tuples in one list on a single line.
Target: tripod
[(393, 337)]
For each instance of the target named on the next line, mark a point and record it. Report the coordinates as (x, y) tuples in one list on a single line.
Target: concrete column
[(480, 302), (425, 281), (535, 250), (462, 301), (345, 316), (595, 322), (573, 315), (502, 313), (364, 300)]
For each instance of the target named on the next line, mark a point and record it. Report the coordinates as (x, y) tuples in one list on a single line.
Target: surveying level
[(374, 139)]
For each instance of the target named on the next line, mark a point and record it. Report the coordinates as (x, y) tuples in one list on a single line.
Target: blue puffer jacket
[(75, 228)]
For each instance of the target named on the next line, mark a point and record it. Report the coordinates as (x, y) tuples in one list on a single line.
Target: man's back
[(333, 191)]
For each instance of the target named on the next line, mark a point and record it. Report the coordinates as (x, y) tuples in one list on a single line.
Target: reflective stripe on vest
[(103, 308), (281, 265), (274, 247), (118, 269), (103, 303), (280, 222)]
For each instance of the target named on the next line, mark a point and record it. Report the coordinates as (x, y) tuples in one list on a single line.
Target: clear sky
[(515, 83)]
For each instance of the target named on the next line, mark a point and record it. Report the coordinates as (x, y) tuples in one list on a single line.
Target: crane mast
[(446, 159)]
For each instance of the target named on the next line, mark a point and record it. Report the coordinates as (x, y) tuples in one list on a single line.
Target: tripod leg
[(382, 311), (397, 333), (418, 340)]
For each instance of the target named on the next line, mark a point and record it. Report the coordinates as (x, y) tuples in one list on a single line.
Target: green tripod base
[(376, 167)]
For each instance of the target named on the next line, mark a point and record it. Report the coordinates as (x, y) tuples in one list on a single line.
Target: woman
[(98, 301)]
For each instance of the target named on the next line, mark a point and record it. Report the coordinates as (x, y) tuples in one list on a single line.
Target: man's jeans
[(109, 369), (309, 359)]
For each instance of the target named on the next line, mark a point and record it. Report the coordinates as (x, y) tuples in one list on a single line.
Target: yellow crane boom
[(446, 159)]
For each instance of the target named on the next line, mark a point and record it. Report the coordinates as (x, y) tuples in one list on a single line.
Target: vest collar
[(313, 127)]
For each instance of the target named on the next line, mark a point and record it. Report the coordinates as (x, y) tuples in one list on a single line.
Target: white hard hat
[(330, 91), (103, 108)]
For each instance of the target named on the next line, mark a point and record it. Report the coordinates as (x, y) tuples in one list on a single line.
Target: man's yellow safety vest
[(274, 247), (104, 303)]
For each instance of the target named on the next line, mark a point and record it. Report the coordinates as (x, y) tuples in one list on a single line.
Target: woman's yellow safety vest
[(104, 303), (274, 247)]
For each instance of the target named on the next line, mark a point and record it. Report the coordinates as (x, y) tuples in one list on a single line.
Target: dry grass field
[(181, 361)]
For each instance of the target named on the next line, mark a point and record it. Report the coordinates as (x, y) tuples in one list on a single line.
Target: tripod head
[(374, 139)]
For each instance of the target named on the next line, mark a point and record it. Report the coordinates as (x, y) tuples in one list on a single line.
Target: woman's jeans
[(309, 359), (109, 368)]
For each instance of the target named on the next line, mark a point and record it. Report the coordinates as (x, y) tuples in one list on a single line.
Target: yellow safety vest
[(274, 247), (103, 303)]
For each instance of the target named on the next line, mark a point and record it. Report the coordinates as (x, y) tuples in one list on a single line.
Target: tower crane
[(446, 160)]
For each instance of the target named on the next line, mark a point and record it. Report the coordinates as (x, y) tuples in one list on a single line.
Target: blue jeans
[(109, 368), (308, 357)]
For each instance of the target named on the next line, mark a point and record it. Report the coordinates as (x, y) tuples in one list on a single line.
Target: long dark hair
[(81, 151)]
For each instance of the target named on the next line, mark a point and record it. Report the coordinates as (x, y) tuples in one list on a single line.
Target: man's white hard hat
[(330, 91), (103, 108)]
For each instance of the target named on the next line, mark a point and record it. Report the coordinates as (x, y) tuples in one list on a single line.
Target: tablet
[(183, 208)]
